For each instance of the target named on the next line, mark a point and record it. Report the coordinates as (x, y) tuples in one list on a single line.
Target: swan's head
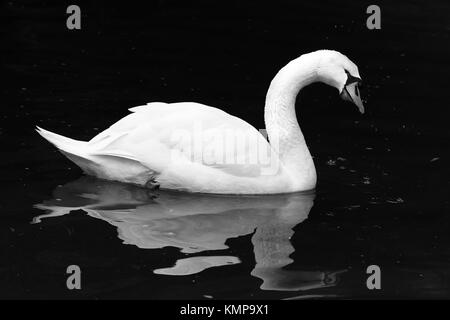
[(336, 70)]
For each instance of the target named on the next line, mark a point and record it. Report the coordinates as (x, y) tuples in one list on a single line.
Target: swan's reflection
[(196, 223)]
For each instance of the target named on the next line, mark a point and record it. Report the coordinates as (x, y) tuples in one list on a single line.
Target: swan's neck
[(283, 130)]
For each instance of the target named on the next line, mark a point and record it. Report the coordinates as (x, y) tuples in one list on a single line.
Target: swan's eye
[(351, 79)]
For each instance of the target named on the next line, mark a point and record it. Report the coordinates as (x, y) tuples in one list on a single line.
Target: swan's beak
[(351, 93)]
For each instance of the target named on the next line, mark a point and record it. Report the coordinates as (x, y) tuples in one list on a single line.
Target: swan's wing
[(157, 134), (151, 114)]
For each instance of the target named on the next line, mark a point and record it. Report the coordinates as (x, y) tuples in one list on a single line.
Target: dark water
[(382, 195)]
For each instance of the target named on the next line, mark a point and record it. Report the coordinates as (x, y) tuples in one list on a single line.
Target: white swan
[(193, 147)]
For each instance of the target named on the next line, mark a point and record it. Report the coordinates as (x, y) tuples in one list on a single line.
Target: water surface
[(383, 178)]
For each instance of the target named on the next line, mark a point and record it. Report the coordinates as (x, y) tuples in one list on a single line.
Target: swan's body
[(193, 147)]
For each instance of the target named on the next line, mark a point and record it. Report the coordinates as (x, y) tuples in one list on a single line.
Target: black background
[(224, 54)]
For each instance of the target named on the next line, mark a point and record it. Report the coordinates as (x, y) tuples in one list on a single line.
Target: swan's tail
[(103, 164), (75, 150), (61, 142)]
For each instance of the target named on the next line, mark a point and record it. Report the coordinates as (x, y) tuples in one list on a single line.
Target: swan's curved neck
[(283, 130)]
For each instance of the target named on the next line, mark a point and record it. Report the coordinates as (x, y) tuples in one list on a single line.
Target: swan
[(192, 147)]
